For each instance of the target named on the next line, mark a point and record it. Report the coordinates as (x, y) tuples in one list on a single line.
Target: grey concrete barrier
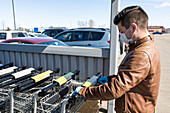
[(88, 60)]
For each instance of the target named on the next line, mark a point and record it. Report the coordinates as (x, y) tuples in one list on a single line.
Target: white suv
[(95, 37), (12, 34)]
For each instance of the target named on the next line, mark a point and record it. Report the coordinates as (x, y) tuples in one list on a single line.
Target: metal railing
[(88, 60)]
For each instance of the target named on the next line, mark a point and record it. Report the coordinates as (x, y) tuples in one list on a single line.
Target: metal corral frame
[(88, 60)]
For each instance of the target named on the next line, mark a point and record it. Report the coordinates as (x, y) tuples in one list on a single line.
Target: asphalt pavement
[(163, 102)]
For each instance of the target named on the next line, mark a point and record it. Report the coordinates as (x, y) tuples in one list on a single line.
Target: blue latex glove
[(103, 80), (77, 90)]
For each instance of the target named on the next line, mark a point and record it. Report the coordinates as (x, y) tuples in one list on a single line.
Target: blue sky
[(67, 13)]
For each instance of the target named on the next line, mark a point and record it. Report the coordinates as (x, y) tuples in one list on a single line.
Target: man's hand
[(77, 90), (103, 80)]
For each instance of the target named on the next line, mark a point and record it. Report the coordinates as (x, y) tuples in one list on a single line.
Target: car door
[(65, 37), (96, 39), (80, 38)]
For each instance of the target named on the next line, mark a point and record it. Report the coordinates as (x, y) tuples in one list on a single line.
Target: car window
[(52, 33), (58, 43), (80, 35), (60, 30), (96, 35), (45, 32), (65, 36), (21, 35), (15, 35), (2, 35)]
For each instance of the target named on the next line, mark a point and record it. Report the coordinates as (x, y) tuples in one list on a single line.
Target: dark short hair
[(132, 14)]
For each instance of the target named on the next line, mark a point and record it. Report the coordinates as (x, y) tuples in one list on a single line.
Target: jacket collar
[(138, 42)]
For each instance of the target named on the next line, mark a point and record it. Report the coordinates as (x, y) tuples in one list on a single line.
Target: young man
[(136, 85)]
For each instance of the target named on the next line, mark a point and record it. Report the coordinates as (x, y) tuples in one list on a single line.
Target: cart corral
[(21, 98)]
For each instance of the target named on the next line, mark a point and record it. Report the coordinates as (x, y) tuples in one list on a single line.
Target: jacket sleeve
[(133, 72)]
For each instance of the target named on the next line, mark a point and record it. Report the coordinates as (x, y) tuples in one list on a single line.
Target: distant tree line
[(89, 23)]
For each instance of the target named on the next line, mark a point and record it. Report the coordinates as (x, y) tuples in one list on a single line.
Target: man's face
[(122, 29)]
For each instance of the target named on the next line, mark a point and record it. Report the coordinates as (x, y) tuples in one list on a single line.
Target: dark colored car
[(52, 32), (35, 40), (157, 33)]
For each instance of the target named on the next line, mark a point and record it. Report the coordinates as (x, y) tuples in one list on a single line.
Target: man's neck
[(141, 34)]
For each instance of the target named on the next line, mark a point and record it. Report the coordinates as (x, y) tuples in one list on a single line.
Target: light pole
[(13, 14), (114, 33)]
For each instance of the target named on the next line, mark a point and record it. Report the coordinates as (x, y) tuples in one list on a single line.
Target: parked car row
[(73, 37), (88, 37)]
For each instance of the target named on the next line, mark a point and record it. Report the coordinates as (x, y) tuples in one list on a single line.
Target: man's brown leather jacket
[(136, 85)]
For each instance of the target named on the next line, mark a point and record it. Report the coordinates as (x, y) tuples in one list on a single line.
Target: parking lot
[(163, 103)]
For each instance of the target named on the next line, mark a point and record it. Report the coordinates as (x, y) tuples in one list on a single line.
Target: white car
[(97, 37), (90, 37), (4, 35)]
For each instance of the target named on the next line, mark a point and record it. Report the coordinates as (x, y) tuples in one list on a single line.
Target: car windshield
[(41, 35), (58, 43)]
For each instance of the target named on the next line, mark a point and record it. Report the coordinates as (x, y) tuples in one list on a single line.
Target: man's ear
[(134, 26)]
